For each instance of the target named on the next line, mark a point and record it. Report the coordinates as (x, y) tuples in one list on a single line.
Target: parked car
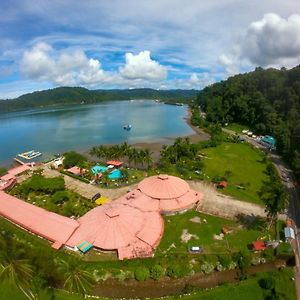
[(195, 249)]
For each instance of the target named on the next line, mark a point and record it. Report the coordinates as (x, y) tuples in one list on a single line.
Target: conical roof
[(163, 187), (114, 226)]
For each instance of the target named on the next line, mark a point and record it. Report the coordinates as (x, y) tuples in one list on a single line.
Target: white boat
[(30, 154), (127, 127)]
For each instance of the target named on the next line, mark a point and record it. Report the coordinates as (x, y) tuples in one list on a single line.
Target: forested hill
[(268, 101), (75, 95)]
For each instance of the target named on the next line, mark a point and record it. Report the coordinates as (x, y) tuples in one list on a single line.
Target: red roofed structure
[(120, 227), (115, 163), (76, 170), (18, 170), (51, 226), (131, 225), (170, 193), (259, 245)]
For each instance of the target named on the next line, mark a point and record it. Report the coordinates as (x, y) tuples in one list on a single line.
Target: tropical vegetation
[(79, 95), (266, 101)]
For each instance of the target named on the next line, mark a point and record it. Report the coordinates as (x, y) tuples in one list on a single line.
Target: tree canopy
[(268, 101)]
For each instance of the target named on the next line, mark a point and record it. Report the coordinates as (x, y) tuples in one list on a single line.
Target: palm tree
[(17, 272), (148, 158), (76, 278)]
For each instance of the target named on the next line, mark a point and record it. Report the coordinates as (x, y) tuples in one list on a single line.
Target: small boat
[(127, 127), (30, 154)]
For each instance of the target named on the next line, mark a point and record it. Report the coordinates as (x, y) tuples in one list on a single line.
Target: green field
[(236, 127), (242, 166), (203, 234)]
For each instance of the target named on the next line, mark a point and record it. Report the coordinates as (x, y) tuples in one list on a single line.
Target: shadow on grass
[(252, 222)]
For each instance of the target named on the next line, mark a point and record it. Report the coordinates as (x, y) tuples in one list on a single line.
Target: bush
[(38, 183), (73, 158), (75, 176), (60, 197), (157, 272), (207, 267), (142, 273), (225, 261), (267, 283), (177, 271), (3, 171)]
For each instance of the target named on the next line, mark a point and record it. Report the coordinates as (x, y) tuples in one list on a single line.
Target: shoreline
[(155, 146)]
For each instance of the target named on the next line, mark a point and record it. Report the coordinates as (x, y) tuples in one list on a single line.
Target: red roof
[(46, 224), (115, 163), (76, 170), (18, 170), (223, 184), (116, 226), (259, 245), (7, 177), (163, 187)]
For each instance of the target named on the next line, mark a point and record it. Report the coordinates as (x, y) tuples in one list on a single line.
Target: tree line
[(78, 95), (267, 101)]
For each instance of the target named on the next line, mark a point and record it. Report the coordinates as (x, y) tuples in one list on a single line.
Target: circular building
[(164, 193), (116, 226)]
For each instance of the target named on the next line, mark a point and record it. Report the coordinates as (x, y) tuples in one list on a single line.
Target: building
[(130, 225)]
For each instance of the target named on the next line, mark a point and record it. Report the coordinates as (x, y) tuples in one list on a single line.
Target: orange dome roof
[(163, 187)]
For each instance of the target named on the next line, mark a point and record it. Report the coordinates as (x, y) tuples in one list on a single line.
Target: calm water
[(78, 127)]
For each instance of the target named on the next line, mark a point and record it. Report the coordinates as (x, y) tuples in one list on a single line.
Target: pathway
[(213, 203), (88, 190)]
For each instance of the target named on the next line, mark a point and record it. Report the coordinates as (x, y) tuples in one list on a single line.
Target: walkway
[(88, 190), (213, 203), (218, 204)]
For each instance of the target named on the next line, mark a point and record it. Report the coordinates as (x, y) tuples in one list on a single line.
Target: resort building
[(131, 225)]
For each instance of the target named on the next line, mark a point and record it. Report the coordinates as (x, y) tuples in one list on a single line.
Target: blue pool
[(115, 174), (98, 169)]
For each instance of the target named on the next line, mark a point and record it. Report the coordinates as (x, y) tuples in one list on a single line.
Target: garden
[(213, 234), (51, 194)]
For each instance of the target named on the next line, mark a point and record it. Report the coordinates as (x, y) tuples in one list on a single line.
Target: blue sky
[(138, 43)]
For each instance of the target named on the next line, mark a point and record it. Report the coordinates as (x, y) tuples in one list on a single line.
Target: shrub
[(243, 259), (2, 171), (157, 272), (267, 283), (73, 158), (60, 197), (142, 273), (207, 267), (38, 183), (177, 271), (225, 261)]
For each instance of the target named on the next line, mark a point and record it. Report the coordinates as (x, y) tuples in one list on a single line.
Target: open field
[(199, 230), (241, 165), (237, 127)]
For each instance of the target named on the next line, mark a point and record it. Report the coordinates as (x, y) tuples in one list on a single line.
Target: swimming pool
[(98, 169), (115, 174)]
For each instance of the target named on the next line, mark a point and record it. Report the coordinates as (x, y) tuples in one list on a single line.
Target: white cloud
[(273, 41), (68, 67), (230, 63), (141, 66)]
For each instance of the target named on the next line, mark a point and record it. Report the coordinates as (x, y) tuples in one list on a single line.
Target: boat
[(30, 154), (127, 127)]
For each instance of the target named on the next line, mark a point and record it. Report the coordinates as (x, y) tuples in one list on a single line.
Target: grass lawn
[(237, 127), (202, 234), (12, 293), (249, 289), (241, 165)]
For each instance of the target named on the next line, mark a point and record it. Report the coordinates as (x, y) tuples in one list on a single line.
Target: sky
[(161, 44)]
